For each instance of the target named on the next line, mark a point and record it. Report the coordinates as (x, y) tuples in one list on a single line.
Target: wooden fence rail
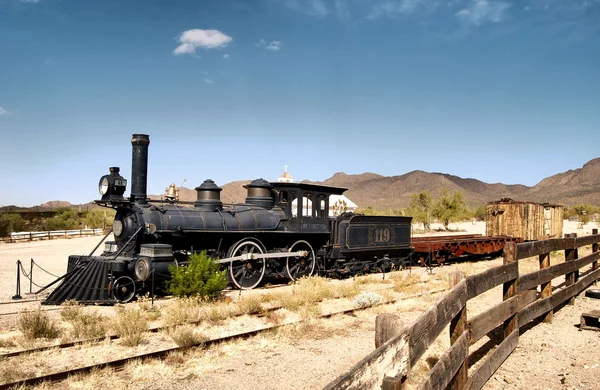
[(30, 236), (388, 366)]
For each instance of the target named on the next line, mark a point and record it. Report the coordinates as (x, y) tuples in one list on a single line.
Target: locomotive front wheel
[(298, 266), (123, 289), (246, 274)]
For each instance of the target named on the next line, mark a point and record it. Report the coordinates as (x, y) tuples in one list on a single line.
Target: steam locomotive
[(283, 230)]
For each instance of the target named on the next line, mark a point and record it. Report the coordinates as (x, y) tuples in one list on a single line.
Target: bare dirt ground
[(549, 356)]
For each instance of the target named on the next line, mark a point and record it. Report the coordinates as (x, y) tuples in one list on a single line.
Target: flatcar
[(283, 230)]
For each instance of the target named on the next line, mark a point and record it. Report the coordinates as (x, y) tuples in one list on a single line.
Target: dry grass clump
[(37, 324), (98, 378), (216, 314), (89, 325), (186, 335), (176, 358), (7, 343), (306, 291), (346, 290), (70, 310), (309, 329), (184, 310), (14, 372), (407, 283), (276, 317), (145, 304), (130, 325), (250, 304), (370, 279)]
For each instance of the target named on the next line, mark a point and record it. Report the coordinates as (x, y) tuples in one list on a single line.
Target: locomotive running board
[(256, 256)]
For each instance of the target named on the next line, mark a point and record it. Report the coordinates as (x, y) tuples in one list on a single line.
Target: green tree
[(201, 277), (98, 218), (479, 213), (450, 208), (583, 212), (10, 223), (421, 208), (64, 219)]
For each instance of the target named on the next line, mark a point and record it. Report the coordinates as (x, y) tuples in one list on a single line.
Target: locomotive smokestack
[(139, 167)]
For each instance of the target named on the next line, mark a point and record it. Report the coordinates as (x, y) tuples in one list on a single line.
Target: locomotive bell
[(172, 192), (259, 193), (208, 196)]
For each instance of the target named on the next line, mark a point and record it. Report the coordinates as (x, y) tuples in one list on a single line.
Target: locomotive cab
[(306, 206)]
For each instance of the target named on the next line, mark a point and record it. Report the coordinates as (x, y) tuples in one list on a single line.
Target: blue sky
[(502, 91)]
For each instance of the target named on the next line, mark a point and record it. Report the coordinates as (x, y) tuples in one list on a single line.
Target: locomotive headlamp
[(112, 186)]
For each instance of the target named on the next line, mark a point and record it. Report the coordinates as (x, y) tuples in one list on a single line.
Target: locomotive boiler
[(283, 230)]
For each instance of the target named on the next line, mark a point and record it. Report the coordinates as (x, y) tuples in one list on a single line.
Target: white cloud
[(273, 45), (396, 8), (3, 111), (320, 8), (209, 81), (29, 1), (226, 56), (480, 12), (190, 40)]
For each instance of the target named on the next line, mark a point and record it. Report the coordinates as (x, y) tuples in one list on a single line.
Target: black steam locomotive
[(283, 230)]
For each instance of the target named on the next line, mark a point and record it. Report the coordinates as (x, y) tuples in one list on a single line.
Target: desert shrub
[(367, 299), (201, 277), (130, 326), (37, 324), (185, 336), (10, 223)]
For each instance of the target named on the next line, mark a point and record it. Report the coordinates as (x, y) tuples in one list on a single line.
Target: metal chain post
[(31, 277), (18, 292)]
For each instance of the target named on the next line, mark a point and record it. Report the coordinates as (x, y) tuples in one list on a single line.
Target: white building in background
[(285, 177), (337, 203)]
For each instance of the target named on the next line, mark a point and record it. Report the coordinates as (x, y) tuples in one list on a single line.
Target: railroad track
[(54, 377)]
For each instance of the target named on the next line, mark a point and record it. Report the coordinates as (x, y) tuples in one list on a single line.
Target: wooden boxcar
[(528, 220)]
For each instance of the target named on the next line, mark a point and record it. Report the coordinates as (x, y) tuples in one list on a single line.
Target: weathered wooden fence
[(388, 366), (30, 236)]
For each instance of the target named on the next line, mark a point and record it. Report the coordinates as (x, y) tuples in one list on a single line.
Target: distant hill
[(580, 185)]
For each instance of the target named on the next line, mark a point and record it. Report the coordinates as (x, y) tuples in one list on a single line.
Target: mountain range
[(575, 186), (379, 192)]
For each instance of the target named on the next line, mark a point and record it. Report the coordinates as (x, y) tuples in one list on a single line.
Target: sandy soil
[(549, 356)]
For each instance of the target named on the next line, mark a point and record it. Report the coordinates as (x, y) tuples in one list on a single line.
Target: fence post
[(546, 287), (570, 256), (457, 326), (595, 249), (510, 289), (18, 292), (30, 237)]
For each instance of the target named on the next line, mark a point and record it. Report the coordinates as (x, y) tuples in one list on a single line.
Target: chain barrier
[(48, 272), (29, 277)]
